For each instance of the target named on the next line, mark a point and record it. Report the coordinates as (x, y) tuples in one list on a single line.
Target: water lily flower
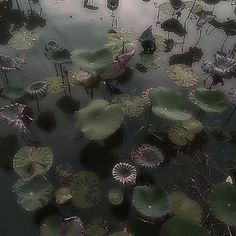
[(124, 173)]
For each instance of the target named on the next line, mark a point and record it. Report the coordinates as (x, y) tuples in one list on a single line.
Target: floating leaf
[(99, 119), (222, 202), (150, 61), (184, 207), (30, 161), (168, 103), (37, 90), (23, 40), (79, 77), (12, 93), (34, 193), (62, 195), (198, 7), (151, 202), (96, 227), (92, 61), (209, 100), (85, 190), (55, 226), (173, 25), (55, 85), (116, 196), (182, 75), (179, 226), (192, 125)]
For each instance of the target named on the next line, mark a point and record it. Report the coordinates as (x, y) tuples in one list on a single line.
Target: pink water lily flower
[(8, 64), (15, 116), (123, 59)]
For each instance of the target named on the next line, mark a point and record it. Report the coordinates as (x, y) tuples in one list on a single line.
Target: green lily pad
[(30, 161), (116, 196), (150, 61), (182, 75), (96, 227), (78, 77), (192, 125), (99, 119), (55, 226), (34, 193), (55, 85), (198, 7), (151, 202), (180, 136), (222, 201), (179, 226), (56, 53), (184, 207), (92, 61), (12, 93), (209, 100), (111, 72), (168, 103), (85, 190), (116, 41), (23, 39)]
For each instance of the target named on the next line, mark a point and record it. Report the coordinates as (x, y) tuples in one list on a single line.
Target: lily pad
[(209, 100), (54, 226), (198, 7), (168, 103), (55, 85), (222, 202), (30, 161), (179, 226), (184, 207), (92, 61), (85, 190), (23, 40), (192, 125), (34, 193), (63, 195), (116, 196), (99, 119), (96, 227), (150, 61), (79, 77), (151, 202), (12, 93), (182, 75)]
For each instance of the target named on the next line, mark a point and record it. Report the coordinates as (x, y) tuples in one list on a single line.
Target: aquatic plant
[(63, 172), (124, 173), (15, 116), (147, 156), (99, 119), (173, 25), (151, 202), (55, 85), (37, 90), (63, 195), (115, 196), (30, 161), (78, 77), (96, 227), (10, 64), (148, 41), (12, 92)]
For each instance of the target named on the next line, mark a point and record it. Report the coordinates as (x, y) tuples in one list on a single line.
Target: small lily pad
[(55, 85), (96, 227), (168, 103), (192, 125), (63, 195), (209, 100), (85, 190), (151, 202), (30, 161), (116, 196), (182, 75), (222, 202)]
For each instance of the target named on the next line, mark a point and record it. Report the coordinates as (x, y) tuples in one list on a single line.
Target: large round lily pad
[(99, 119), (184, 207), (151, 202), (182, 75), (222, 201), (168, 103), (55, 226), (92, 61), (85, 190), (30, 161), (34, 193), (180, 227), (209, 100)]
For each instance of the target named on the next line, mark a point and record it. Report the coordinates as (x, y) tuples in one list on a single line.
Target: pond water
[(206, 158)]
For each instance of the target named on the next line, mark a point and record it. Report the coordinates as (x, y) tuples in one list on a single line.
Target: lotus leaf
[(92, 61), (23, 40), (184, 207), (198, 7), (179, 226), (151, 202), (55, 226), (30, 161), (79, 77), (180, 136), (209, 100), (55, 85), (96, 227), (182, 75), (12, 93), (150, 61), (168, 103), (111, 72), (85, 190), (63, 195), (192, 125), (116, 196), (34, 193), (99, 119), (222, 202)]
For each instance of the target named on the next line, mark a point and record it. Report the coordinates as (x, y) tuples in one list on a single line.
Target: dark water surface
[(75, 27)]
